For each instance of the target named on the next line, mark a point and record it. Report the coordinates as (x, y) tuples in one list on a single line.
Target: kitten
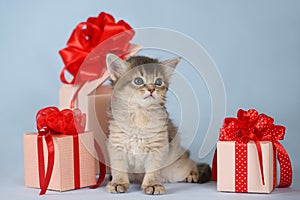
[(143, 144)]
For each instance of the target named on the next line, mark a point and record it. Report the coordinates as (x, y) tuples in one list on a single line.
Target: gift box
[(63, 176), (247, 154), (246, 170), (84, 59), (61, 156)]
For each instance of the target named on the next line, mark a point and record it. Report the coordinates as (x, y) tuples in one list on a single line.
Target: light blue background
[(255, 44)]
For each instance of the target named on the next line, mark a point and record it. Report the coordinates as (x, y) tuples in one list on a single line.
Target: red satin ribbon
[(51, 121), (241, 165), (102, 166), (251, 126), (45, 179), (76, 161), (82, 59)]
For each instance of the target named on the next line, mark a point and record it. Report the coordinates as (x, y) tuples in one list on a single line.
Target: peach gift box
[(62, 178), (226, 167)]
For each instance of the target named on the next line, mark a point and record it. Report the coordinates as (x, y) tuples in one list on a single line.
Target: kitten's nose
[(151, 90)]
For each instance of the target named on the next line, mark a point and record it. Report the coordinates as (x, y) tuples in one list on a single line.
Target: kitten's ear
[(172, 63), (170, 66), (116, 66)]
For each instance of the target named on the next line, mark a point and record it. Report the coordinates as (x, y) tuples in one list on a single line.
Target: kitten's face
[(144, 85)]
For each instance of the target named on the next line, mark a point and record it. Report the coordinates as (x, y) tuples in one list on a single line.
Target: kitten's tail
[(204, 172)]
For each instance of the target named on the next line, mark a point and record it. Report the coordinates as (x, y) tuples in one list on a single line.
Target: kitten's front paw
[(154, 189), (113, 187)]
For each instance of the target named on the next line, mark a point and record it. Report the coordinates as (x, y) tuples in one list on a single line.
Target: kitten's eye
[(138, 81), (158, 82)]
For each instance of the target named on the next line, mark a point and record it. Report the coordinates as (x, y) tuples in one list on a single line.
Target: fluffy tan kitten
[(143, 144)]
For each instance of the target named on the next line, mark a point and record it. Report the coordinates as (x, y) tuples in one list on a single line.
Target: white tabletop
[(13, 188)]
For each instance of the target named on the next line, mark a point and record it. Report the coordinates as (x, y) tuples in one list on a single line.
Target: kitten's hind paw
[(193, 177), (113, 187), (154, 189)]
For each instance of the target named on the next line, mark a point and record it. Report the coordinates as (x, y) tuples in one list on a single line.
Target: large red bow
[(251, 126), (114, 38)]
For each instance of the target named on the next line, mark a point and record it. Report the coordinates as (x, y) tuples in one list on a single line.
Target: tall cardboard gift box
[(245, 160), (57, 157), (85, 60)]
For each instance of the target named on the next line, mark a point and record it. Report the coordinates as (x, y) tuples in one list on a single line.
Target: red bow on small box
[(65, 122), (251, 126), (50, 121)]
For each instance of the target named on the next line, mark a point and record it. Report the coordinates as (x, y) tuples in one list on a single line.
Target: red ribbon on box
[(50, 121), (251, 126), (114, 37)]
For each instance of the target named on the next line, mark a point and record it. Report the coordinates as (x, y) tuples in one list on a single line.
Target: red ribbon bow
[(85, 37), (82, 59), (251, 126), (65, 122), (51, 121)]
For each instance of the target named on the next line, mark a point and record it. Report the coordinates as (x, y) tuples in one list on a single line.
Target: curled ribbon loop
[(78, 58), (251, 126)]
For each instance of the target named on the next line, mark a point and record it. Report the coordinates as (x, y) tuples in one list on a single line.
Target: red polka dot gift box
[(247, 153)]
